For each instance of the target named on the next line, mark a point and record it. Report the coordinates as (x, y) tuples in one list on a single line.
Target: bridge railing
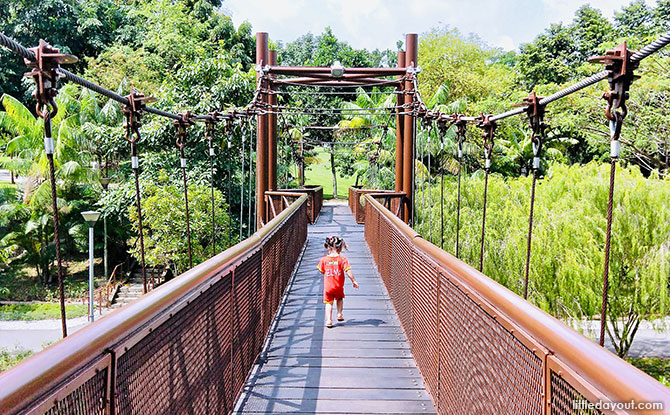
[(314, 199), (481, 348), (185, 347), (392, 200)]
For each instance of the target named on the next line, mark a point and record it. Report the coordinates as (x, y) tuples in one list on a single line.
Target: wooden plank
[(362, 365)]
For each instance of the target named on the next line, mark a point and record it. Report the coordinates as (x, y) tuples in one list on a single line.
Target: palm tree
[(372, 134)]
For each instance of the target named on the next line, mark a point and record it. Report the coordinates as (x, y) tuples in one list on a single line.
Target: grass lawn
[(656, 367), (320, 174), (40, 311), (19, 282)]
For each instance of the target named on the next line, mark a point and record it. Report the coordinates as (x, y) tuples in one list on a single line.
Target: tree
[(83, 28), (634, 20), (165, 225)]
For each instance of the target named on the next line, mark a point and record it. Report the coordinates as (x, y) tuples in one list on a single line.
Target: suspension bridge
[(243, 331)]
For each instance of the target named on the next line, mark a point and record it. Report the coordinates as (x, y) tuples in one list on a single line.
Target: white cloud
[(379, 24)]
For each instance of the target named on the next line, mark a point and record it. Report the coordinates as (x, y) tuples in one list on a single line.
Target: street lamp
[(104, 181), (90, 217)]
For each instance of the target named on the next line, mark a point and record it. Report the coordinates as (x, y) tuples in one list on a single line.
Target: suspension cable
[(209, 135), (251, 175), (242, 179), (181, 128), (442, 129), (461, 129), (536, 119), (620, 66), (488, 128), (133, 113), (44, 72), (229, 193)]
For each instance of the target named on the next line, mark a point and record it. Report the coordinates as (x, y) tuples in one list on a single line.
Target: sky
[(379, 24)]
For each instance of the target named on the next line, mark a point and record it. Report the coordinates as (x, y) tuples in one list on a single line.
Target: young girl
[(333, 266)]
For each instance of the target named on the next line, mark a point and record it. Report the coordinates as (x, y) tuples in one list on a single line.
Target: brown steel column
[(272, 134), (261, 137), (411, 45), (400, 100)]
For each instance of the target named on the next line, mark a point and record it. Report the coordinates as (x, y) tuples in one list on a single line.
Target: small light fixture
[(91, 216), (337, 70), (104, 181)]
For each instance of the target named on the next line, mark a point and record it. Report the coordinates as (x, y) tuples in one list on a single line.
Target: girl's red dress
[(333, 269)]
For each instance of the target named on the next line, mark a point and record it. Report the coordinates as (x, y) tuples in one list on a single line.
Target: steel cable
[(242, 181), (653, 47), (49, 150)]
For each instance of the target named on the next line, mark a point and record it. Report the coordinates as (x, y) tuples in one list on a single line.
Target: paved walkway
[(363, 365)]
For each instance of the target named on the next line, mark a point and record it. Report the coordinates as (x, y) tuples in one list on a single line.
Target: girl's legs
[(329, 313), (340, 306)]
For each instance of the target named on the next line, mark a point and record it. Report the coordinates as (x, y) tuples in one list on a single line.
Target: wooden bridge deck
[(363, 365)]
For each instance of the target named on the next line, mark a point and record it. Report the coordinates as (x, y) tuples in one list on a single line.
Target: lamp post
[(90, 217), (104, 181)]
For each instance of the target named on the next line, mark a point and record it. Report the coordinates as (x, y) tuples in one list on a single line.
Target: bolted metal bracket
[(181, 127), (461, 129), (535, 112), (621, 70), (45, 74), (489, 128), (133, 111)]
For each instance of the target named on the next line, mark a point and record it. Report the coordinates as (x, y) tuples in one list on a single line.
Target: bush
[(568, 240), (164, 222)]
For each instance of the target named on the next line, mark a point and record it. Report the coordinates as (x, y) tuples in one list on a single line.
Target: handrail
[(618, 380), (47, 369)]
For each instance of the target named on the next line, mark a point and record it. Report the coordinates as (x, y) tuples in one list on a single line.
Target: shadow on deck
[(362, 365)]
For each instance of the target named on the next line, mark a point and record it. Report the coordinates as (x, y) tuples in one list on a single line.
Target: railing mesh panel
[(88, 398), (184, 365), (566, 400), (483, 367), (194, 356), (470, 362)]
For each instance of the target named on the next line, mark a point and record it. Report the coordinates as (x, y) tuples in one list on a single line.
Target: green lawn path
[(319, 174)]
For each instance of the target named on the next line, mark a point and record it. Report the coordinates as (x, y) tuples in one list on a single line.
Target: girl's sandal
[(340, 317), (329, 324)]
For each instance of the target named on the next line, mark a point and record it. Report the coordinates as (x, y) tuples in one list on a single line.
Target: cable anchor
[(535, 112), (489, 128), (461, 129), (45, 74), (621, 69)]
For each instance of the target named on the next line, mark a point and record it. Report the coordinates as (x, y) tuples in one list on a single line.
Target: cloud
[(378, 24)]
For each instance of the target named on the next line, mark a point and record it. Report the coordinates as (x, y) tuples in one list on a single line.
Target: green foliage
[(568, 240), (164, 223), (40, 311), (461, 64), (655, 367), (10, 358)]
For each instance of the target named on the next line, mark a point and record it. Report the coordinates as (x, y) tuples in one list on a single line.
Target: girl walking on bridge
[(333, 266)]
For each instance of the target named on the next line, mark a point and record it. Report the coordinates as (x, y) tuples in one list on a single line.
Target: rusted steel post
[(409, 133), (261, 137), (272, 132), (400, 100)]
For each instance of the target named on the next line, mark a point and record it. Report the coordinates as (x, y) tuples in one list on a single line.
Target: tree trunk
[(332, 169)]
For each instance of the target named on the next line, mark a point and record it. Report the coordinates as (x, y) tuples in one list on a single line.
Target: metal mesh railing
[(185, 348), (480, 348)]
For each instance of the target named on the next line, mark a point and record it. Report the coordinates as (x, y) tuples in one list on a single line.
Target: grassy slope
[(320, 174), (40, 311)]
